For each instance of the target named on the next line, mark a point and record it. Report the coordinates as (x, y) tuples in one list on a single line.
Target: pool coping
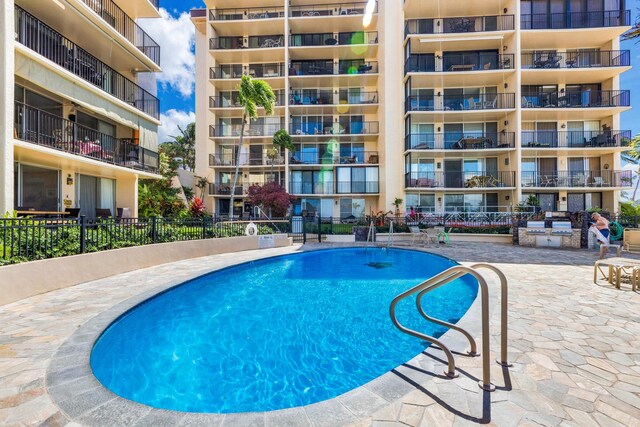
[(72, 386)]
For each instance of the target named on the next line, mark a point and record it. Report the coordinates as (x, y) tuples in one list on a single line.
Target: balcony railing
[(45, 129), (584, 99), (42, 39), (475, 179), (225, 189), (458, 141), (255, 129), (239, 14), (235, 71), (576, 139), (579, 59), (335, 9), (481, 61), (495, 101), (252, 42), (246, 159), (327, 97), (315, 157), (469, 24), (125, 25), (332, 187), (234, 102), (577, 179), (329, 39), (326, 67), (571, 20), (353, 128)]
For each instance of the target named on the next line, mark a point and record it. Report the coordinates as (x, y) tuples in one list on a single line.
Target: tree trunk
[(235, 178)]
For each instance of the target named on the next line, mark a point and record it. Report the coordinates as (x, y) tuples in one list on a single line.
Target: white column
[(7, 37)]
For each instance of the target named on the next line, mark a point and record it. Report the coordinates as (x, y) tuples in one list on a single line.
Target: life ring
[(251, 230)]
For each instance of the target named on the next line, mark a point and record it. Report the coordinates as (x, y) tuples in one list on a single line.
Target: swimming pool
[(276, 333)]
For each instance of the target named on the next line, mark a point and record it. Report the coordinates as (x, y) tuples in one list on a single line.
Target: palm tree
[(281, 140), (251, 95)]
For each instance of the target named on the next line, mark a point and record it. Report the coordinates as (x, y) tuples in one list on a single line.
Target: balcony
[(335, 9), (253, 130), (335, 129), (545, 60), (328, 67), (481, 61), (225, 190), (459, 180), (578, 179), (47, 130), (576, 139), (495, 101), (573, 20), (314, 157), (250, 14), (52, 45), (234, 102), (357, 187), (460, 25), (246, 159), (456, 141), (328, 39), (327, 188), (127, 27), (584, 99), (320, 97), (252, 42), (235, 71)]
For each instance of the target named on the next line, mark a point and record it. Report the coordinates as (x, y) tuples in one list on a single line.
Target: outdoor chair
[(417, 235), (631, 240), (526, 103), (432, 236), (103, 213)]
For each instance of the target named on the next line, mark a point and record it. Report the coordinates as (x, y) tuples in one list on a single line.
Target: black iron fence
[(26, 239), (44, 40)]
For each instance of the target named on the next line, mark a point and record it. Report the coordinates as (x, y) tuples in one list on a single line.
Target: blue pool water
[(276, 333)]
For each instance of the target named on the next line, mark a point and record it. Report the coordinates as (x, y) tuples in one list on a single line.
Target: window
[(421, 202), (95, 193), (471, 202), (358, 180), (37, 188), (351, 208), (312, 182)]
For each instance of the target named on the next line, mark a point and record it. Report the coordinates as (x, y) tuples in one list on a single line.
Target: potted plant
[(397, 203)]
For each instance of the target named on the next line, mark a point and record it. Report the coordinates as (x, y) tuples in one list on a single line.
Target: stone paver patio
[(575, 349)]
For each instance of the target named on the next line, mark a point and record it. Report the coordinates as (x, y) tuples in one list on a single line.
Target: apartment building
[(450, 106), (79, 113)]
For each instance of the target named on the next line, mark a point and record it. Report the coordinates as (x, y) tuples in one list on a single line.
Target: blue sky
[(174, 34)]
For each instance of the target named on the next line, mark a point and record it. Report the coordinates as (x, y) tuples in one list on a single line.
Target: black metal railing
[(252, 13), (571, 20), (332, 187), (42, 39), (334, 9), (327, 67), (353, 128), (233, 101), (326, 96), (577, 59), (235, 71), (583, 99), (460, 141), (467, 179), (576, 139), (33, 238), (126, 26), (470, 24), (233, 130), (332, 39), (480, 61), (316, 157), (578, 179), (246, 159), (487, 101), (45, 129), (251, 42)]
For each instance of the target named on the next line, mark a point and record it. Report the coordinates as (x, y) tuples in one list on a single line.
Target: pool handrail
[(443, 278)]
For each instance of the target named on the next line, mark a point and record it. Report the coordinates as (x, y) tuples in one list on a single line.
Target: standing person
[(602, 224), (412, 213)]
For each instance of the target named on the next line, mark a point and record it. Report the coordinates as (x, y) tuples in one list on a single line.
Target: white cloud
[(170, 120), (177, 59)]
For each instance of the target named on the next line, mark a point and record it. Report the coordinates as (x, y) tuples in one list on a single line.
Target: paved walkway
[(575, 348)]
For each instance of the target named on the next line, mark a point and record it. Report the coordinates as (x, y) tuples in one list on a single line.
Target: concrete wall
[(32, 278), (6, 105)]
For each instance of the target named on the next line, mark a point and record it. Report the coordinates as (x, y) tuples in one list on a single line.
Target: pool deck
[(575, 349)]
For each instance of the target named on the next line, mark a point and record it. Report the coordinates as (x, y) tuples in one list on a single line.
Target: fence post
[(204, 227), (83, 233), (319, 229), (304, 230), (154, 229)]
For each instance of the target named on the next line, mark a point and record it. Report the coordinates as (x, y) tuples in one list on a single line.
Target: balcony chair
[(526, 103)]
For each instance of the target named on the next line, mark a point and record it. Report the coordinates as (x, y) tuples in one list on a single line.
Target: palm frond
[(282, 139)]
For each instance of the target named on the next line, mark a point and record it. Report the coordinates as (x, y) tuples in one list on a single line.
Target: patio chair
[(631, 240), (417, 235), (526, 103), (432, 236)]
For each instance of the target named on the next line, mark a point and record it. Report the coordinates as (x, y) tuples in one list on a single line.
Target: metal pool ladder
[(390, 236), (441, 279)]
